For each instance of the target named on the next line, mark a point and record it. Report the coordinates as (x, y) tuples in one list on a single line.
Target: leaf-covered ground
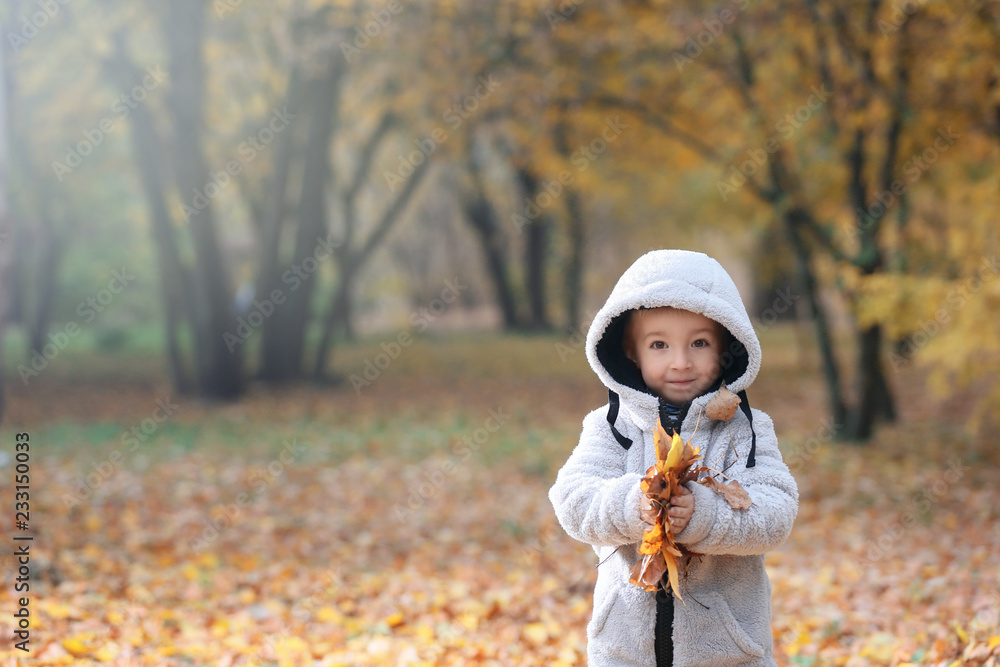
[(406, 525)]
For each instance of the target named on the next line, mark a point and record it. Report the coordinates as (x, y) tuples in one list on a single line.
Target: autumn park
[(295, 300)]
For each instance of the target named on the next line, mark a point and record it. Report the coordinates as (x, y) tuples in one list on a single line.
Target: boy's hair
[(628, 342)]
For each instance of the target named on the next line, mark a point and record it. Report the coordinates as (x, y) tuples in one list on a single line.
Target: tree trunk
[(221, 377), (874, 401), (47, 279), (807, 281), (273, 213), (176, 288), (353, 261), (573, 287), (573, 290), (480, 214), (333, 322), (284, 352), (345, 316), (535, 255)]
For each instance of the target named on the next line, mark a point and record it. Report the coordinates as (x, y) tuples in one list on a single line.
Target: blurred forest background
[(308, 219)]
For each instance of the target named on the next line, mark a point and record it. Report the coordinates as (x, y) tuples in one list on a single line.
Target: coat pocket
[(604, 599), (712, 635)]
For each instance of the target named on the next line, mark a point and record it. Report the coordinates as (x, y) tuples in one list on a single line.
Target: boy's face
[(677, 351)]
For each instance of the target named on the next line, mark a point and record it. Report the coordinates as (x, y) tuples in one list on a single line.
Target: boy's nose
[(680, 360)]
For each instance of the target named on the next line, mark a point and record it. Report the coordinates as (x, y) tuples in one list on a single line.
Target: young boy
[(673, 329)]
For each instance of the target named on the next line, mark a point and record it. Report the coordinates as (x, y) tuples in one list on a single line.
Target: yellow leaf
[(78, 644), (675, 583), (328, 615), (58, 610), (291, 651), (424, 632), (880, 647), (208, 560), (962, 634), (536, 633), (659, 435), (676, 451), (107, 653)]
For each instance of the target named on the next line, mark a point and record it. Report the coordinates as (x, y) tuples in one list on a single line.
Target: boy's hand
[(681, 509)]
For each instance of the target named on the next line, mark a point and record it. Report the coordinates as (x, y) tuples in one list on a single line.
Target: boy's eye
[(701, 342), (658, 345)]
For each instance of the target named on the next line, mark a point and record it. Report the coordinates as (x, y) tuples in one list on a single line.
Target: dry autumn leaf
[(735, 495), (723, 405)]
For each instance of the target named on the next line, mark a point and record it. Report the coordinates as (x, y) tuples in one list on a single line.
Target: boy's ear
[(629, 351), (628, 345)]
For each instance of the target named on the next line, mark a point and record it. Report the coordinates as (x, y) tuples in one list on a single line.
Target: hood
[(683, 279)]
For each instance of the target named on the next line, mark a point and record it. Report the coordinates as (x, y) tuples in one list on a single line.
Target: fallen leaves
[(483, 560)]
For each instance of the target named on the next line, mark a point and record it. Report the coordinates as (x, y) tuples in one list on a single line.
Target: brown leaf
[(654, 486), (735, 495), (723, 405), (647, 571)]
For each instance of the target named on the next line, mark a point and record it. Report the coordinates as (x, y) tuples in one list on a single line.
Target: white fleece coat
[(725, 617)]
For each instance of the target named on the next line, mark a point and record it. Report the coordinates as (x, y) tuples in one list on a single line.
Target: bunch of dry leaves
[(674, 467)]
